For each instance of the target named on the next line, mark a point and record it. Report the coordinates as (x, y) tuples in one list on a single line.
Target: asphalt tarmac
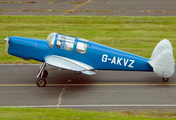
[(90, 7), (105, 91)]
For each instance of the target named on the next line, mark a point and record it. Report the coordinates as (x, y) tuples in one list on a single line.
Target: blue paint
[(100, 57), (96, 52), (22, 47), (41, 51)]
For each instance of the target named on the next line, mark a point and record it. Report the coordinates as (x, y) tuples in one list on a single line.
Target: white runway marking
[(74, 106)]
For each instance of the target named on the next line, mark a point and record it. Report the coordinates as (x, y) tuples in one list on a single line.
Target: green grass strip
[(137, 35), (69, 114)]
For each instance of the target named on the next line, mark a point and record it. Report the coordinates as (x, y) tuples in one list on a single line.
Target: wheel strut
[(41, 70), (41, 82)]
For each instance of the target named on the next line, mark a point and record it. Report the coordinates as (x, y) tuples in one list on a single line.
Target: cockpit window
[(51, 39), (65, 42), (81, 48)]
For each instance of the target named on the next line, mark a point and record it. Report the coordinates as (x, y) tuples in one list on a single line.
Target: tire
[(165, 79), (41, 82), (45, 74)]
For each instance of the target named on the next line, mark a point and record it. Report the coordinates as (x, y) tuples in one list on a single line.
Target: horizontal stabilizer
[(162, 59)]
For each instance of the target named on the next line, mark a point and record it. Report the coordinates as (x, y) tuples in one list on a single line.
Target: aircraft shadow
[(105, 77)]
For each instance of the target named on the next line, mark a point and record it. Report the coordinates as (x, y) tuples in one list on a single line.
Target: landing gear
[(45, 74), (165, 79), (41, 82)]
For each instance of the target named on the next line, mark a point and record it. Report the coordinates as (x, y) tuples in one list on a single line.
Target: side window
[(66, 45), (81, 48)]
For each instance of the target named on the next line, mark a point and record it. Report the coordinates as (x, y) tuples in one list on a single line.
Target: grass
[(137, 35), (69, 114)]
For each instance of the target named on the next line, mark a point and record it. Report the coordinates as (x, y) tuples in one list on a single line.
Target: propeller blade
[(7, 41)]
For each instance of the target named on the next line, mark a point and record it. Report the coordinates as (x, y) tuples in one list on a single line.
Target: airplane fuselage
[(84, 56), (100, 57)]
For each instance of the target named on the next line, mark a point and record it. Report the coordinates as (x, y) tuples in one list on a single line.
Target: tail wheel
[(165, 79), (41, 82)]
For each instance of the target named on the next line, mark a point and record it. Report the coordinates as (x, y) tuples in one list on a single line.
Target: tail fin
[(162, 59)]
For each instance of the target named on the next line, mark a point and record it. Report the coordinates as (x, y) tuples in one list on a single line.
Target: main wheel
[(165, 79), (41, 82), (45, 74)]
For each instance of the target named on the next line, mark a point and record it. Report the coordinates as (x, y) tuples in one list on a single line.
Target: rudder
[(162, 59)]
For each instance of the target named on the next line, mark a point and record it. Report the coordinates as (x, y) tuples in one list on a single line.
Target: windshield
[(51, 39)]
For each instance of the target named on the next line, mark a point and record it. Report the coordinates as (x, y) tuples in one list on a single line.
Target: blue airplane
[(86, 57)]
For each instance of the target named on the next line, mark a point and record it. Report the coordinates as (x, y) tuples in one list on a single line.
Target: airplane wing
[(69, 64)]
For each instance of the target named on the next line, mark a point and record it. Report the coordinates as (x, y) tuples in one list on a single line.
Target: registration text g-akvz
[(118, 61)]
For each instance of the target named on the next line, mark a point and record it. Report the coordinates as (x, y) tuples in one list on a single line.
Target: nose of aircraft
[(21, 47)]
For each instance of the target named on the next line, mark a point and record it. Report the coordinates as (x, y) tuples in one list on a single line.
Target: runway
[(91, 8), (105, 91)]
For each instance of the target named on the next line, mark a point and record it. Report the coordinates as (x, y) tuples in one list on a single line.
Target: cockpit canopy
[(66, 42)]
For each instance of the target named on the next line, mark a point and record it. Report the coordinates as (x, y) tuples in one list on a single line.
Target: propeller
[(7, 41)]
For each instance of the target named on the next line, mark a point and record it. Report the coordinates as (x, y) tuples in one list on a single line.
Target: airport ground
[(107, 90)]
